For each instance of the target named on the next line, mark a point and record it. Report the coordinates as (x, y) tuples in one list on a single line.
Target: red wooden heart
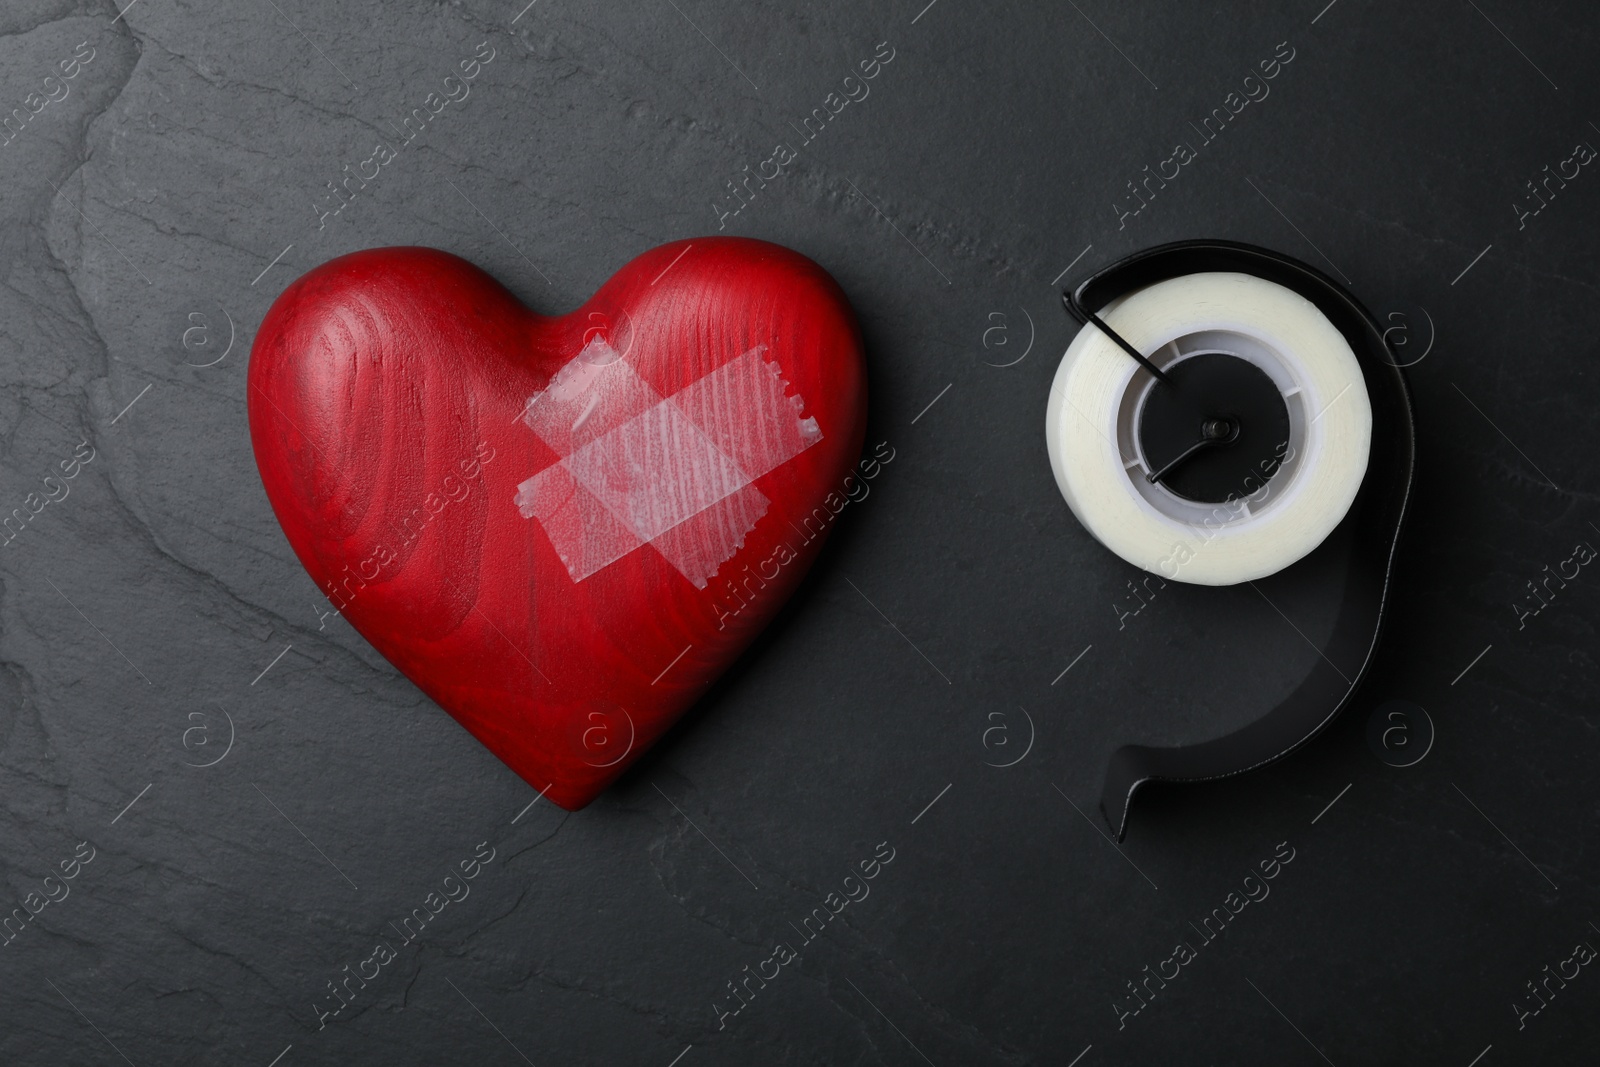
[(561, 529)]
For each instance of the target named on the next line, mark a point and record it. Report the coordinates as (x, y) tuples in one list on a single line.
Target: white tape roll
[(1091, 428)]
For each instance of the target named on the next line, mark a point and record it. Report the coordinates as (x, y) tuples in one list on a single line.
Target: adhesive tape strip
[(1091, 428)]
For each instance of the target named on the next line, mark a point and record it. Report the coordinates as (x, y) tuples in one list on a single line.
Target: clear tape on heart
[(672, 472)]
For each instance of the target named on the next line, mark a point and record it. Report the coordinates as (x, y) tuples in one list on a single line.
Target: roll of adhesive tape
[(1280, 513)]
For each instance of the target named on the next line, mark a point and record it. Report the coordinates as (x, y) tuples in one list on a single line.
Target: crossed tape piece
[(674, 473)]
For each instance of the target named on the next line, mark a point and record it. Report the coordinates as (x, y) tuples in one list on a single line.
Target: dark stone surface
[(195, 146)]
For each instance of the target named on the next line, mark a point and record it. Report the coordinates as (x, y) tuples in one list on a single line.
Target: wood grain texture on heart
[(541, 520)]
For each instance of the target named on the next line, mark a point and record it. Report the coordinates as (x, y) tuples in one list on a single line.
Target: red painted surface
[(387, 400)]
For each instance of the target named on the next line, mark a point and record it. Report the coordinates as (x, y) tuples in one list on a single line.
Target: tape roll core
[(1281, 511), (1220, 424)]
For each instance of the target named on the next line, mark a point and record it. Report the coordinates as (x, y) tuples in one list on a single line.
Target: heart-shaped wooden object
[(561, 529)]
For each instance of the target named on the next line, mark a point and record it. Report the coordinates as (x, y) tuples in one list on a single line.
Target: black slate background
[(137, 615)]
